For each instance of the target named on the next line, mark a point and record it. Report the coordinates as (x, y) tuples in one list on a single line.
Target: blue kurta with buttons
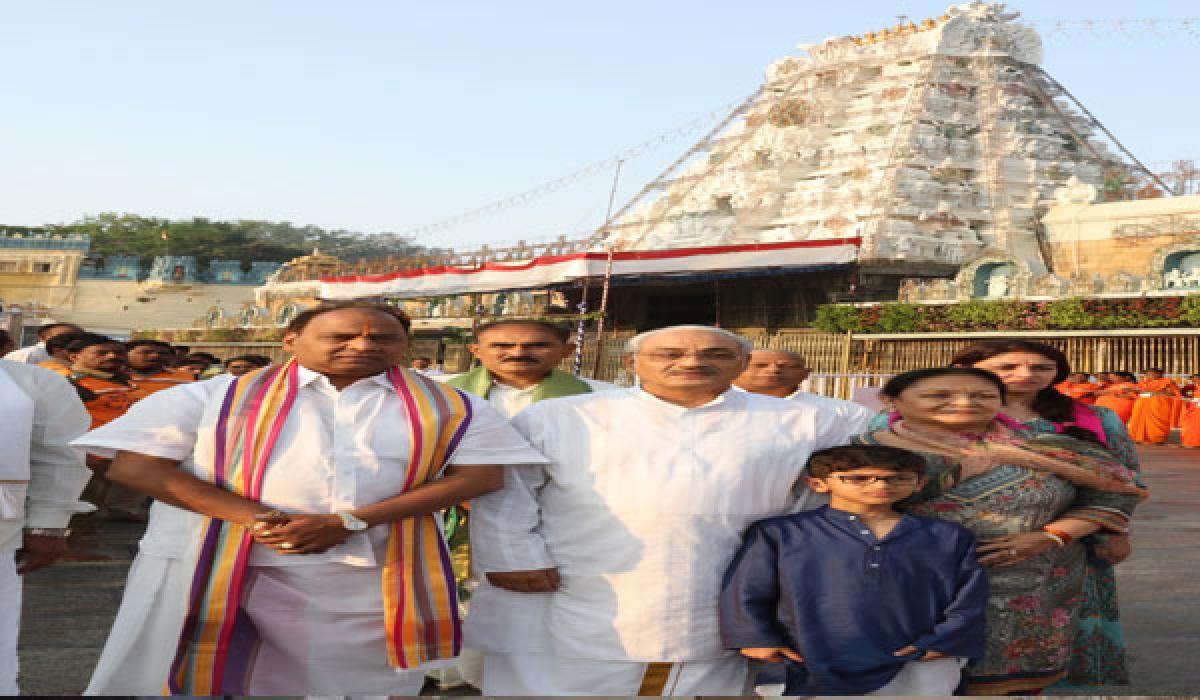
[(822, 584)]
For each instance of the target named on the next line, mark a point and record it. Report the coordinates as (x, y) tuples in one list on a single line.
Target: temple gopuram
[(934, 160)]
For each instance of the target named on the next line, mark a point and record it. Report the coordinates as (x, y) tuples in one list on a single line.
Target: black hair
[(1154, 369), (63, 340), (561, 332), (847, 458), (83, 341), (1049, 403), (1126, 375), (899, 383), (5, 338), (257, 360), (197, 358), (212, 359), (43, 330), (181, 349), (139, 342), (303, 318)]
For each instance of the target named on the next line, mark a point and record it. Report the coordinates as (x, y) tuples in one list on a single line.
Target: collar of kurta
[(557, 384), (306, 376), (732, 394), (853, 524)]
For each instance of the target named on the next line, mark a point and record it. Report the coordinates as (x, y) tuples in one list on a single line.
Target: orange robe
[(57, 367), (164, 379), (1190, 422), (1083, 392), (1154, 416), (1119, 404), (104, 399)]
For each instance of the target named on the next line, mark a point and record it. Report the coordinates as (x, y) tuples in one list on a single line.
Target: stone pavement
[(69, 607)]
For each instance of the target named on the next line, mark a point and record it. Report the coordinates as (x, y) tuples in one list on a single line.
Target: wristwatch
[(48, 531), (352, 523)]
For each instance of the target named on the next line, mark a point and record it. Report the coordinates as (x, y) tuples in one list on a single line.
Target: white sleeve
[(491, 439), (57, 473), (163, 424), (504, 523), (830, 429), (856, 417)]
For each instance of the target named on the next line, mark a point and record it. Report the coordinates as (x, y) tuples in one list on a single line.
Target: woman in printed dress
[(1029, 371), (1030, 498)]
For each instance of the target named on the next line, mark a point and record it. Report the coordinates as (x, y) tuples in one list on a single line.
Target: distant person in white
[(36, 354), (41, 477), (780, 373), (623, 539), (425, 366)]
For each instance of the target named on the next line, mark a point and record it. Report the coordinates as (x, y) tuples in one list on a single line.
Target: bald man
[(779, 373)]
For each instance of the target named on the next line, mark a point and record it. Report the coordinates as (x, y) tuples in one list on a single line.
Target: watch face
[(352, 523)]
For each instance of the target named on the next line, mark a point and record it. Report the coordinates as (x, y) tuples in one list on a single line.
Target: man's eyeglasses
[(906, 479), (677, 355)]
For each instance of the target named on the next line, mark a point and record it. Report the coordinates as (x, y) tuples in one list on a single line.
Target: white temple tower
[(932, 141)]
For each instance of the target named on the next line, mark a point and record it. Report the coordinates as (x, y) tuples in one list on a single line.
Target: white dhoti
[(917, 679), (10, 623), (320, 627), (543, 674), (925, 678)]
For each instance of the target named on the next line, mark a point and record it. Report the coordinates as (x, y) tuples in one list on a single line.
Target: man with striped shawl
[(294, 547)]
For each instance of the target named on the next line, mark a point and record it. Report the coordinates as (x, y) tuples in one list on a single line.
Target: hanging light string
[(1159, 27), (649, 145)]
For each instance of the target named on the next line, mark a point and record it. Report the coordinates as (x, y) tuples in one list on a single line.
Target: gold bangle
[(1057, 540)]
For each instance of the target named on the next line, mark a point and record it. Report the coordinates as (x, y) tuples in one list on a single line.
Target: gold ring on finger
[(287, 545)]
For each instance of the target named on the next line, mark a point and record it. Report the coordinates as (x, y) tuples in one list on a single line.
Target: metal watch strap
[(48, 531)]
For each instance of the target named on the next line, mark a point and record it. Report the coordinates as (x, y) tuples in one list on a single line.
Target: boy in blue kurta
[(855, 597)]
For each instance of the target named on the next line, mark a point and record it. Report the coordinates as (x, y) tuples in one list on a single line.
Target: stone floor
[(69, 607)]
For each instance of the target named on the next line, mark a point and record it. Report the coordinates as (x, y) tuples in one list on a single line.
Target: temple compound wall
[(53, 278)]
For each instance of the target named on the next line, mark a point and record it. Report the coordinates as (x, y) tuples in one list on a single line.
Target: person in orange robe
[(148, 364), (100, 375), (1192, 387), (1118, 393), (1078, 386), (1156, 410)]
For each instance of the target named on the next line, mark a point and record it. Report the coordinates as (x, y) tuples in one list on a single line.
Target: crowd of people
[(1151, 407), (711, 529)]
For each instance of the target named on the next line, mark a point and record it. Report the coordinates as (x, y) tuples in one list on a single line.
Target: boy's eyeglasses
[(865, 479)]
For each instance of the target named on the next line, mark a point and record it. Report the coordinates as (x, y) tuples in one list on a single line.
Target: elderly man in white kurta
[(41, 477), (781, 372), (624, 537), (337, 510)]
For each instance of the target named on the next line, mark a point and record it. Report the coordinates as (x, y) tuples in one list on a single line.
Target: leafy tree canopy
[(209, 239)]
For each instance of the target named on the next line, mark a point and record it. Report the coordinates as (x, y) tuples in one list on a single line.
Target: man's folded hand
[(537, 581)]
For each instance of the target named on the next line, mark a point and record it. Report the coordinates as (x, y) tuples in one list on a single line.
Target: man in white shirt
[(603, 567), (41, 477), (336, 486), (37, 354), (425, 366), (780, 373), (519, 365)]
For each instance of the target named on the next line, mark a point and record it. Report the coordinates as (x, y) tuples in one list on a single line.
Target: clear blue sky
[(380, 115)]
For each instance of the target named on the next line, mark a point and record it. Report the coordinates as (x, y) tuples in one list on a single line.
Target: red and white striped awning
[(561, 269)]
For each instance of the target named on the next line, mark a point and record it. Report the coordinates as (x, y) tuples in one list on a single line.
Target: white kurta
[(641, 509), (30, 355), (856, 415), (337, 450), (510, 400), (56, 476)]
